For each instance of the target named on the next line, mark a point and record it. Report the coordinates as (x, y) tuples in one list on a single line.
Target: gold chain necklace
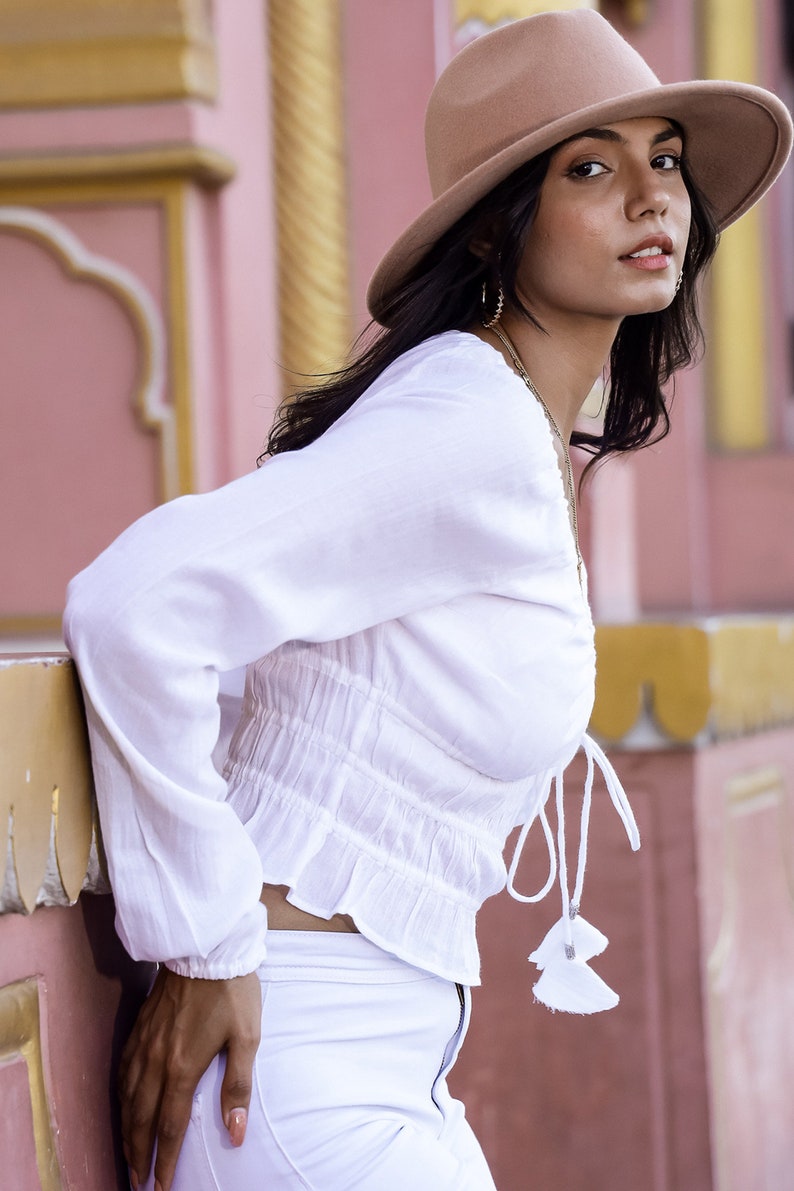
[(569, 484)]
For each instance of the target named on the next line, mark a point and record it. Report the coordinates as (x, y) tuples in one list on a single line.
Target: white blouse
[(404, 593)]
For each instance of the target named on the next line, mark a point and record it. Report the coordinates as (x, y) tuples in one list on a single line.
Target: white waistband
[(339, 956)]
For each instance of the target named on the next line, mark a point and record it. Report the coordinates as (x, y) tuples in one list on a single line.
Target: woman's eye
[(667, 161), (588, 169)]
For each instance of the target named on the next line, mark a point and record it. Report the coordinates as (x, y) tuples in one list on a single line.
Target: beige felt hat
[(528, 85)]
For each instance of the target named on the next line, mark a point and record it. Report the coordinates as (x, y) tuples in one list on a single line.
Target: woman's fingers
[(181, 1028), (140, 1112), (173, 1120), (140, 1088), (240, 1056)]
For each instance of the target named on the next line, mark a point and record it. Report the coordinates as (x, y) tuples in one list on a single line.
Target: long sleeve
[(421, 493)]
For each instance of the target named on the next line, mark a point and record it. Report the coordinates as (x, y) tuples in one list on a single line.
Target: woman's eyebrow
[(609, 134), (668, 134)]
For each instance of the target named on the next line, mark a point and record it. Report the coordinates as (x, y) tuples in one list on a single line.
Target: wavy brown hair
[(443, 293)]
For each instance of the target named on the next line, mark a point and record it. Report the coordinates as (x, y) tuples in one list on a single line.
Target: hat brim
[(737, 140)]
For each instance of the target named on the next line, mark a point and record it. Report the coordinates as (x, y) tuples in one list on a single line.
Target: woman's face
[(611, 226)]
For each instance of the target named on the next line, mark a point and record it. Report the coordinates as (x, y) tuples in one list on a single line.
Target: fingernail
[(133, 1180), (238, 1119)]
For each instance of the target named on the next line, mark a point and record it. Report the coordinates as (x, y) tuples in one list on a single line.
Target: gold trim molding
[(49, 845), (20, 1036), (496, 12), (196, 163), (660, 684), (57, 53)]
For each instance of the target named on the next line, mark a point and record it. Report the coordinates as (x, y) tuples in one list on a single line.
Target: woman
[(402, 579)]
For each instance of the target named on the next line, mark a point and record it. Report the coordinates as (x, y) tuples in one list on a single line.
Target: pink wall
[(744, 815), (749, 531), (706, 525), (675, 531), (389, 57), (673, 506), (89, 991), (78, 464), (618, 1100), (238, 286), (686, 1085), (75, 464), (231, 238)]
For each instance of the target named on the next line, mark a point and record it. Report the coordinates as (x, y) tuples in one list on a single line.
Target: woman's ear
[(481, 247)]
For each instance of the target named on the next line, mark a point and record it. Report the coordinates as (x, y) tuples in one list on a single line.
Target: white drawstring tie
[(567, 982)]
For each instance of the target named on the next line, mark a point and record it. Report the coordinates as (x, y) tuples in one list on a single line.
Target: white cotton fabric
[(349, 1084), (404, 592)]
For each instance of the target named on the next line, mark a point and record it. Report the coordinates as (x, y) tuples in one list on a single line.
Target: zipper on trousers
[(462, 1000)]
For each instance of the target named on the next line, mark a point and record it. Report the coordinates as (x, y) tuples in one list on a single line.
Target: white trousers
[(350, 1088)]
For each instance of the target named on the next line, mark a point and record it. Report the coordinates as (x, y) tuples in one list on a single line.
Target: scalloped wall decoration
[(79, 262)]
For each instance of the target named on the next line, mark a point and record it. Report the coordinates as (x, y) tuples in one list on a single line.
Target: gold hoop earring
[(490, 320)]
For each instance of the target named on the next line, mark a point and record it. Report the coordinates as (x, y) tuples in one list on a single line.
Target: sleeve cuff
[(240, 953)]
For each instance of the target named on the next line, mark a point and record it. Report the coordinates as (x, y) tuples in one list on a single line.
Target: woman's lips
[(651, 254), (649, 264)]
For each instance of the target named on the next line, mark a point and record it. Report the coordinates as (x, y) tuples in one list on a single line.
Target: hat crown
[(523, 78)]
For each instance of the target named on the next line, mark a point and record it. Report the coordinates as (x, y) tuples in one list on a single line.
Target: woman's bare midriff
[(281, 915)]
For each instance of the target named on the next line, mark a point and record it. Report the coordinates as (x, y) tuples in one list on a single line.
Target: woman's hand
[(182, 1026)]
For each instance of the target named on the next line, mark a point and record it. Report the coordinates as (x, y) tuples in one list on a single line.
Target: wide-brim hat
[(522, 89)]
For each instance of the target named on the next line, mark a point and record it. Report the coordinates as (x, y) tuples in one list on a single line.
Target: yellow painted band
[(739, 417), (722, 679)]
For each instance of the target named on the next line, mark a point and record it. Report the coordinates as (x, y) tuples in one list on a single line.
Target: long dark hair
[(444, 293)]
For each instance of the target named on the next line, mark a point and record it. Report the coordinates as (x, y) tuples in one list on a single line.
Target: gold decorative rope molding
[(311, 184), (48, 839), (663, 683)]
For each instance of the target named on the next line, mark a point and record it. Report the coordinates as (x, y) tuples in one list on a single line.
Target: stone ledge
[(49, 846)]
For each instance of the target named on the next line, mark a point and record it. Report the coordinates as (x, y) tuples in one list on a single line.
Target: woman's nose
[(647, 194)]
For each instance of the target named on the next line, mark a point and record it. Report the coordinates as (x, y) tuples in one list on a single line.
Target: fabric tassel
[(587, 941), (572, 987), (566, 982)]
